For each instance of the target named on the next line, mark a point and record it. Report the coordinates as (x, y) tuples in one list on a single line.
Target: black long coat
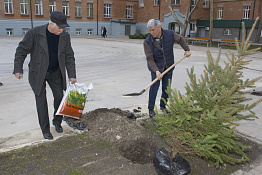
[(35, 44)]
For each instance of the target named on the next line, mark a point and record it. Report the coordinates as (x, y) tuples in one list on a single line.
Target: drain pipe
[(96, 17)]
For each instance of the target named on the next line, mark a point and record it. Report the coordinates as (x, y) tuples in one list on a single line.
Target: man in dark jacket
[(51, 53), (158, 47)]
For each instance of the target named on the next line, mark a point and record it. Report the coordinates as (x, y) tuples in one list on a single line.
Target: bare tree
[(187, 16), (259, 28)]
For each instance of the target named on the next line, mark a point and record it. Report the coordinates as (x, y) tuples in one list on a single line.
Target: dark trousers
[(154, 88), (54, 79)]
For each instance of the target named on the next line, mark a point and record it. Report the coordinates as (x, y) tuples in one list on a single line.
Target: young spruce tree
[(203, 121)]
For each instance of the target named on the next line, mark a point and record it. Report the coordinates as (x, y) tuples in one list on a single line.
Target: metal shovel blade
[(135, 94)]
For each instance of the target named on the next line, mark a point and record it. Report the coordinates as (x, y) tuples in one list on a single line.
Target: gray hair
[(153, 22)]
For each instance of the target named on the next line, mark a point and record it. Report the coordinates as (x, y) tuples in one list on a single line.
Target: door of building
[(174, 26), (202, 32), (127, 29)]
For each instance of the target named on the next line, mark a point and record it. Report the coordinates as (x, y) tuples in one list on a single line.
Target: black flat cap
[(59, 18)]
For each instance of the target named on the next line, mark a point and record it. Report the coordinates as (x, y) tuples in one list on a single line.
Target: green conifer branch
[(203, 121)]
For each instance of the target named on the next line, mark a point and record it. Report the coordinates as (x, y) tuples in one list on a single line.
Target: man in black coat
[(51, 53)]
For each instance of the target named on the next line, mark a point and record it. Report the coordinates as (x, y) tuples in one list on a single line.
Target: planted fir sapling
[(203, 121)]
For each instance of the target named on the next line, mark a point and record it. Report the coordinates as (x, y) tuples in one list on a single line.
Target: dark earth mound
[(113, 142)]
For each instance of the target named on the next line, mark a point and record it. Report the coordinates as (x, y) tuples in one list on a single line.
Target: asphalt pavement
[(115, 66)]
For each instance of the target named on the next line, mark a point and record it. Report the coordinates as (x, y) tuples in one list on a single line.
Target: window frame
[(52, 7), (193, 25), (156, 2), (8, 30), (129, 12), (9, 7), (24, 7), (246, 12), (107, 10), (89, 31), (89, 9), (78, 32), (24, 31), (175, 2), (227, 32), (220, 13), (65, 7), (39, 7), (205, 3), (193, 2), (141, 3), (78, 9)]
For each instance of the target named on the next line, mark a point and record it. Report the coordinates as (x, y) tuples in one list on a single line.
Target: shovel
[(155, 80)]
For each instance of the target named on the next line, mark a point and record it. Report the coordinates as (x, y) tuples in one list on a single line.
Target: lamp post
[(159, 1), (31, 14), (97, 17)]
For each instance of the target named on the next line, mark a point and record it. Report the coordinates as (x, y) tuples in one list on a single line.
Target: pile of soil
[(124, 129)]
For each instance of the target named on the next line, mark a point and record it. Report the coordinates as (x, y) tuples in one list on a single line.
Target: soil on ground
[(112, 142)]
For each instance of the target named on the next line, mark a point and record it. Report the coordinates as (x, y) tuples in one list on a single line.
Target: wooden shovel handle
[(155, 80)]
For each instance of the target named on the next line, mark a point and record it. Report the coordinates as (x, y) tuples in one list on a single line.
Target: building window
[(78, 31), (192, 27), (24, 30), (220, 13), (175, 2), (89, 31), (8, 6), (38, 7), (89, 9), (141, 3), (129, 12), (78, 9), (9, 32), (65, 6), (24, 7), (52, 6), (227, 32), (193, 2), (107, 10), (156, 2), (205, 4), (246, 12)]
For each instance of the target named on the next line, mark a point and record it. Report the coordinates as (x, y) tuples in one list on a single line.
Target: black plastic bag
[(166, 165)]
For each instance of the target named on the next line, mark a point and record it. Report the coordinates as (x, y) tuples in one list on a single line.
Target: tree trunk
[(211, 19), (259, 28)]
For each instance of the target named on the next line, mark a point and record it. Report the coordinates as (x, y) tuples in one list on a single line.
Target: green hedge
[(138, 36)]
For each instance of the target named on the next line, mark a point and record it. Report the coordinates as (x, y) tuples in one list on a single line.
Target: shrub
[(138, 36)]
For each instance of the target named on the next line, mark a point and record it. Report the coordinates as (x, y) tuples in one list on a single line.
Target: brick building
[(123, 17)]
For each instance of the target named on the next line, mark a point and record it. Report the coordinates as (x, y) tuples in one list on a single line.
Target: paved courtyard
[(115, 66)]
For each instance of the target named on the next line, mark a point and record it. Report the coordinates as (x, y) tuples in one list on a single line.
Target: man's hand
[(18, 75), (72, 80), (158, 75), (187, 53)]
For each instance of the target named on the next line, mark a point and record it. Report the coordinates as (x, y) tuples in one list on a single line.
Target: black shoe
[(58, 128), (151, 113), (48, 136)]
